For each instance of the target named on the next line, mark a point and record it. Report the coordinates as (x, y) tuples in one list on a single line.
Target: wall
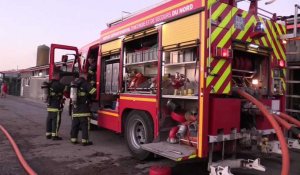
[(33, 89)]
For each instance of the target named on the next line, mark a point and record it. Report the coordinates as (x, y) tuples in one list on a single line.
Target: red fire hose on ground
[(284, 148), (23, 162)]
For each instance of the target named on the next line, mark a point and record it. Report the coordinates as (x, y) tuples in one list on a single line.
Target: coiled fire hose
[(23, 162), (284, 148)]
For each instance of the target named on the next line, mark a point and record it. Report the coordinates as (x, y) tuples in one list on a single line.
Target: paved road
[(25, 120)]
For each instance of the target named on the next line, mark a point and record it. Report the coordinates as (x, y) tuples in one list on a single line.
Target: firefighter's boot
[(56, 138), (74, 141), (87, 143)]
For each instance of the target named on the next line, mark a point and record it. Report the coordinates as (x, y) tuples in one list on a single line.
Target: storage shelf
[(110, 93), (181, 64), (244, 71), (192, 97), (144, 62), (138, 94), (108, 110), (112, 60)]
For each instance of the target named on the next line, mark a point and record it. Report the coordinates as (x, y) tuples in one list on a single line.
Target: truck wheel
[(138, 130)]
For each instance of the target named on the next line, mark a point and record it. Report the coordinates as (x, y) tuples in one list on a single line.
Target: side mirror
[(64, 58)]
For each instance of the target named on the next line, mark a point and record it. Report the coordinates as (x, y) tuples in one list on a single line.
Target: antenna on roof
[(117, 21), (269, 2), (126, 13)]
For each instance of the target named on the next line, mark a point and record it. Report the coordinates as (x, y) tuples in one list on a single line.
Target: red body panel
[(98, 76), (283, 103), (261, 122), (162, 13), (224, 114), (140, 102), (109, 121)]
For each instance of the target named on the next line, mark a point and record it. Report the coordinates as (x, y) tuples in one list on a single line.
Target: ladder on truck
[(292, 39), (293, 64)]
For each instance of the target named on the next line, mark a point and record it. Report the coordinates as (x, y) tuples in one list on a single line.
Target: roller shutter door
[(112, 46), (183, 30)]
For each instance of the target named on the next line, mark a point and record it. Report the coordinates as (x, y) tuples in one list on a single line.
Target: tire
[(138, 130)]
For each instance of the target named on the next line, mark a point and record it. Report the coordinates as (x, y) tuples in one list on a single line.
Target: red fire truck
[(192, 78)]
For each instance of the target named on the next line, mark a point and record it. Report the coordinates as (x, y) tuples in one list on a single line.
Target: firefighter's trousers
[(80, 123), (53, 123)]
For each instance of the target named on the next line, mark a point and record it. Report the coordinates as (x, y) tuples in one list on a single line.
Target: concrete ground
[(25, 120)]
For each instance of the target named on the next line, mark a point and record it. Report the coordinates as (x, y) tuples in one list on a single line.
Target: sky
[(26, 24)]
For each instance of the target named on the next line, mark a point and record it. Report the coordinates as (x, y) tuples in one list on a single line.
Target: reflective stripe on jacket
[(82, 114), (52, 109)]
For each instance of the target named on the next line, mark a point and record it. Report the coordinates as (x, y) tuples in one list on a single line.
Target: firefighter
[(54, 108), (81, 109), (91, 78)]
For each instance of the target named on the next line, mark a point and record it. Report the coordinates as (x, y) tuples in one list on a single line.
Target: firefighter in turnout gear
[(91, 78), (55, 99), (81, 94)]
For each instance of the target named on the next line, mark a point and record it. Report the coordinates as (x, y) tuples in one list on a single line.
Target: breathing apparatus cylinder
[(73, 93), (45, 87)]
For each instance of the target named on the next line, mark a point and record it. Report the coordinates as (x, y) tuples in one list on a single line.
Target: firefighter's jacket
[(55, 97), (85, 91)]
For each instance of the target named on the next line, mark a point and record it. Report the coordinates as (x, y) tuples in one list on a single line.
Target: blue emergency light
[(259, 27)]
